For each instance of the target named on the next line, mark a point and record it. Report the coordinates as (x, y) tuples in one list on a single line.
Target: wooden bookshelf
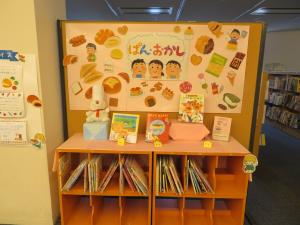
[(222, 166), (112, 206), (283, 100)]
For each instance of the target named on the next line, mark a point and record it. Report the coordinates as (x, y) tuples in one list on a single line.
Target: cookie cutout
[(111, 85), (136, 91), (215, 28), (113, 102), (77, 41), (223, 107), (185, 87), (150, 101), (204, 44), (177, 29), (102, 35), (125, 76), (89, 93), (34, 100), (158, 86), (196, 60), (231, 100), (69, 59), (116, 54), (167, 93), (112, 42), (123, 30)]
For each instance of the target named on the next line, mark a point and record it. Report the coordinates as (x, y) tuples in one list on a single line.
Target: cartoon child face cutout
[(235, 35), (173, 69), (139, 68), (155, 69)]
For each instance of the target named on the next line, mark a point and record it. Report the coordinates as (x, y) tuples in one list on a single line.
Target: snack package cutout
[(91, 50), (121, 141), (237, 60), (250, 163), (215, 28), (231, 77), (231, 100), (98, 107), (216, 64), (234, 37), (207, 144)]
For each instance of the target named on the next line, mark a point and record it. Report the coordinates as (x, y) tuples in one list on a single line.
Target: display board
[(146, 68), (251, 48)]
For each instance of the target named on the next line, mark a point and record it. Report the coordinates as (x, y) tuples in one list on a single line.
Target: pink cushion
[(188, 131)]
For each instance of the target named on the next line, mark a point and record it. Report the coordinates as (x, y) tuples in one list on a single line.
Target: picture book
[(191, 108), (124, 126), (221, 129), (157, 126)]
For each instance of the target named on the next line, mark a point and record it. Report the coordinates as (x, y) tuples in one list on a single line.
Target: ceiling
[(188, 10)]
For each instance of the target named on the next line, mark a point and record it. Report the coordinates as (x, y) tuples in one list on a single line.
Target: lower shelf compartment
[(168, 212), (108, 212), (76, 211), (136, 211), (196, 217)]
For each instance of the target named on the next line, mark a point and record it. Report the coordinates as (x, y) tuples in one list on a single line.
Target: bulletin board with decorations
[(144, 67)]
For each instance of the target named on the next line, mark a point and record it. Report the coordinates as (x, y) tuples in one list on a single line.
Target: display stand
[(222, 163)]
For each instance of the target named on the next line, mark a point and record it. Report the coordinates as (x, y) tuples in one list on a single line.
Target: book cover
[(191, 108), (124, 126), (221, 128), (157, 126)]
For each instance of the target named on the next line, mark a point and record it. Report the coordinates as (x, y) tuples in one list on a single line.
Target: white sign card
[(13, 132), (11, 105)]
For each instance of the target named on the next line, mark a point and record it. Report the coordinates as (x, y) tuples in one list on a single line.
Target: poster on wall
[(146, 67)]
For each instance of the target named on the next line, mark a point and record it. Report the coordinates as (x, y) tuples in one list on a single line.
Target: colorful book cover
[(191, 108), (157, 126), (124, 126)]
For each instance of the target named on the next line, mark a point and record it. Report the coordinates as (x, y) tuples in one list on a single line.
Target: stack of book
[(134, 175), (196, 176), (94, 168), (109, 174), (277, 83), (293, 84), (75, 175), (167, 179)]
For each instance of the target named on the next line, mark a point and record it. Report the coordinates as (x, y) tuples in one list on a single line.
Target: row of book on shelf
[(283, 116), (91, 172), (290, 83), (130, 171), (288, 100), (168, 180)]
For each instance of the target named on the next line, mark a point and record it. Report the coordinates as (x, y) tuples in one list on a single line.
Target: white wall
[(27, 186), (283, 47)]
